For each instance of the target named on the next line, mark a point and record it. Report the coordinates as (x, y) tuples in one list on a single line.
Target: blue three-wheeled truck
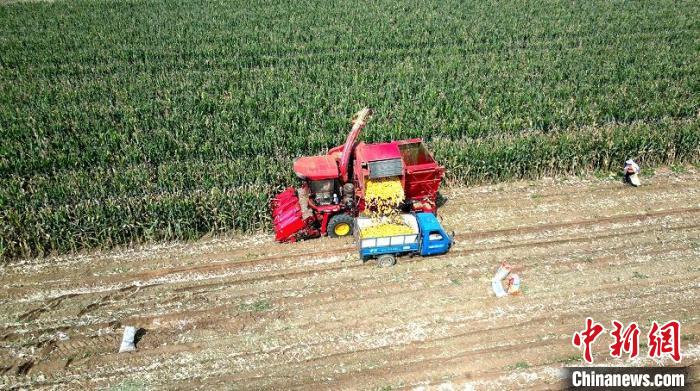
[(428, 238)]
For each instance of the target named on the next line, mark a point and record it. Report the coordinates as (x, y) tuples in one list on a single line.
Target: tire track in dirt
[(132, 288), (48, 306), (563, 191), (638, 296), (626, 218), (439, 343), (292, 275), (206, 288), (348, 296), (434, 341), (475, 334), (114, 339), (335, 268), (503, 329), (346, 250), (112, 296)]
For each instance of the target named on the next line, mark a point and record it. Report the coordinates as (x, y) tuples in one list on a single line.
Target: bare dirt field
[(249, 313)]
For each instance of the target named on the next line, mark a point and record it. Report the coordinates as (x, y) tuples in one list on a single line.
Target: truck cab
[(434, 239)]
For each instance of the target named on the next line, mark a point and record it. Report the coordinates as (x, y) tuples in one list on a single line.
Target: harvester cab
[(320, 176), (333, 185)]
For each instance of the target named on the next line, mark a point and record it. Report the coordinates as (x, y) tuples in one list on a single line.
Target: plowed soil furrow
[(249, 313), (225, 287)]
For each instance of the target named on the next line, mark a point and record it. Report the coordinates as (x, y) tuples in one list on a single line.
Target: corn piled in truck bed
[(385, 229), (384, 195)]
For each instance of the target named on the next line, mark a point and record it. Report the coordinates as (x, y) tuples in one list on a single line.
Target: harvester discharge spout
[(358, 122)]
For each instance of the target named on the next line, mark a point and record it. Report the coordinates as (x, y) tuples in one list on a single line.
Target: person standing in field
[(631, 172)]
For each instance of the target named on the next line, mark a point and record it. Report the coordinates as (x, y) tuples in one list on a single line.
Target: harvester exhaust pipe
[(359, 120)]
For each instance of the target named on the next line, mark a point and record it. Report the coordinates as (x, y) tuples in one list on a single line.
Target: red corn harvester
[(333, 185)]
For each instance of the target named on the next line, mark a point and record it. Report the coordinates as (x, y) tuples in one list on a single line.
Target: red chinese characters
[(626, 340), (665, 340), (584, 339)]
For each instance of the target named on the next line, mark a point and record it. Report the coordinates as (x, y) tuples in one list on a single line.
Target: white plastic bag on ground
[(128, 340), (496, 282), (502, 272), (498, 288)]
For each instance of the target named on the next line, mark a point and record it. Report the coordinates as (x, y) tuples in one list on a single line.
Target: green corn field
[(130, 121)]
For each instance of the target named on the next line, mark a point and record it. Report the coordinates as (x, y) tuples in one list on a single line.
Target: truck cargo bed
[(388, 244)]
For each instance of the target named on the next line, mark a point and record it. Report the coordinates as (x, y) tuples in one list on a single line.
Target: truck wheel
[(340, 225), (386, 260)]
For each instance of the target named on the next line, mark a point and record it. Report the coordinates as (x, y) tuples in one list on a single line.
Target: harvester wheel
[(340, 225), (386, 260)]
